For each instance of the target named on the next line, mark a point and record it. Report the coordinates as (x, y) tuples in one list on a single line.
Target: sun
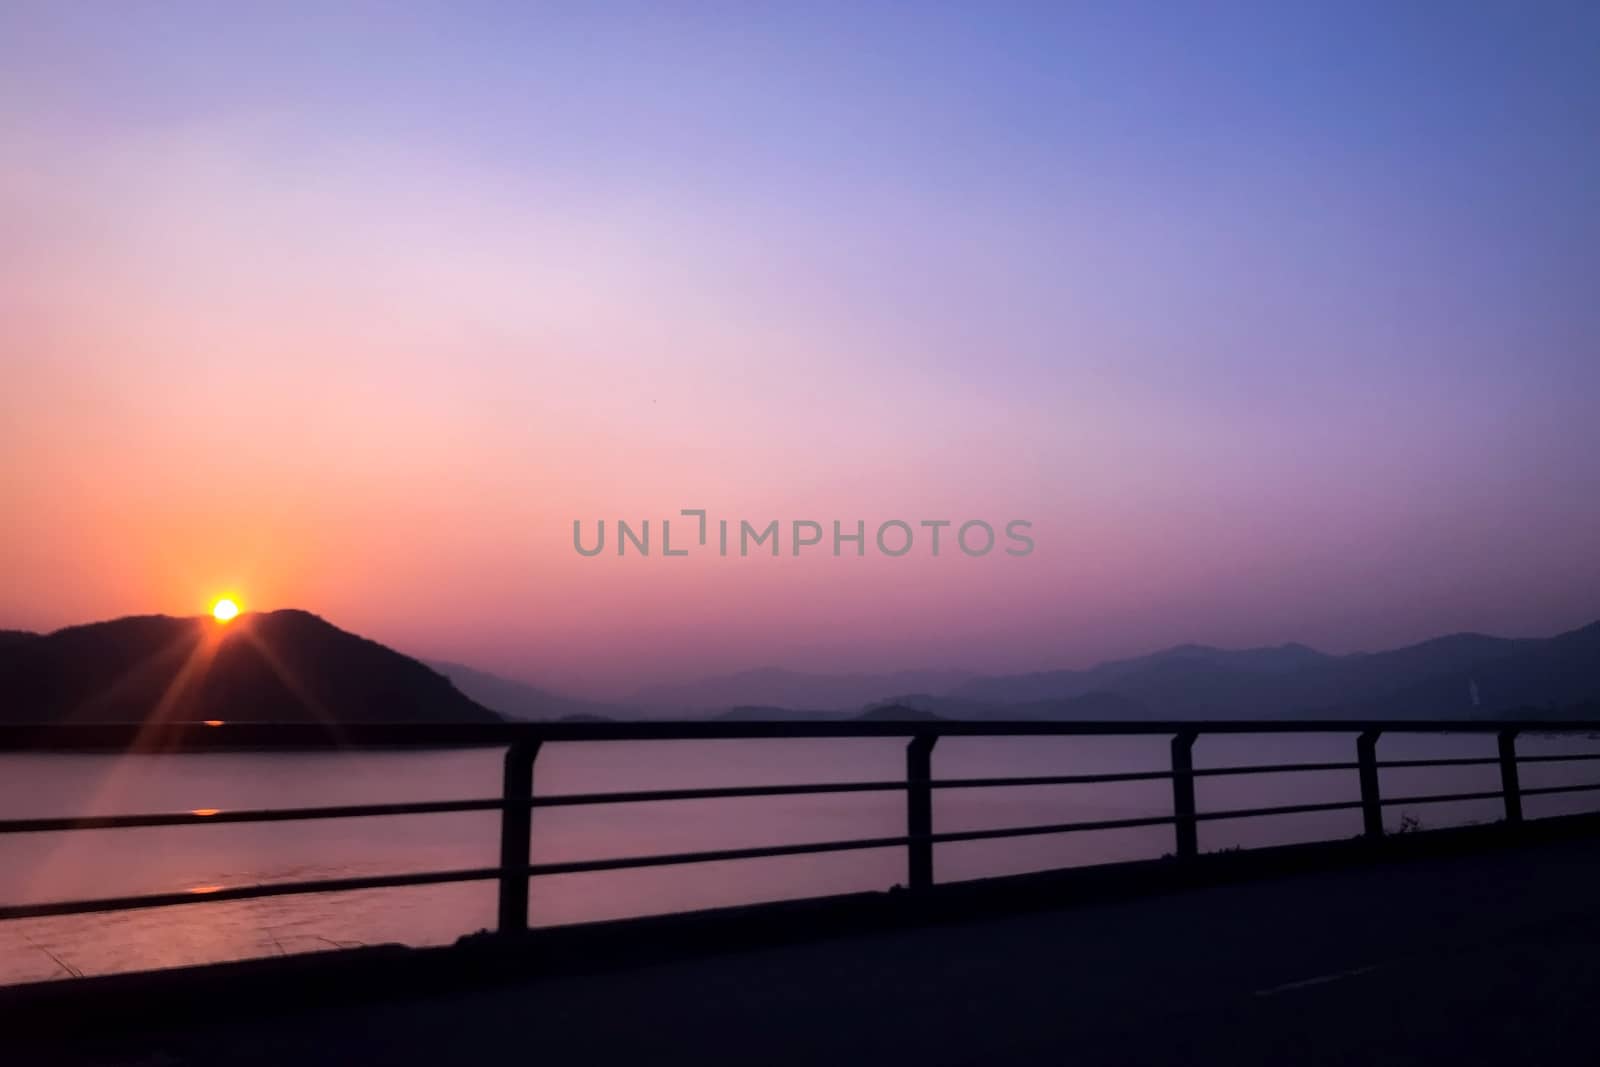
[(224, 609)]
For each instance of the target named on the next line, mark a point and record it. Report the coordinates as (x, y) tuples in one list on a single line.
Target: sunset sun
[(224, 609)]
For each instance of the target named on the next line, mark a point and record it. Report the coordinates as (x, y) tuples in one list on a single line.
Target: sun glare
[(224, 609)]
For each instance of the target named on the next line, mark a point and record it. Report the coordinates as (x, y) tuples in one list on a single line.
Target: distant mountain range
[(519, 700), (293, 666), (1457, 676), (282, 666), (775, 687)]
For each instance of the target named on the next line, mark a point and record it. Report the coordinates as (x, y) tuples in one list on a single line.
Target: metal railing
[(523, 741)]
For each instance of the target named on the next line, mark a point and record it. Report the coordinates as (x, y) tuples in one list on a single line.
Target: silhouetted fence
[(523, 741)]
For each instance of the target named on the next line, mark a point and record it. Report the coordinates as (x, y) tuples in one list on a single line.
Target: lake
[(96, 863)]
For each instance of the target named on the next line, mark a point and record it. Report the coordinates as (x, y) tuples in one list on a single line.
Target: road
[(1487, 958)]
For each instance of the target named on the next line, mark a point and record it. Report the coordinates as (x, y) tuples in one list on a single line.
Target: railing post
[(1183, 795), (516, 827), (919, 809), (1509, 783), (1371, 805)]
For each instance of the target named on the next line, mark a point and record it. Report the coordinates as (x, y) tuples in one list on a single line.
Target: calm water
[(39, 867)]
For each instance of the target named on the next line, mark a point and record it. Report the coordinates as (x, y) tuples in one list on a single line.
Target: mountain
[(1464, 675), (1406, 675), (1180, 659), (1457, 676), (293, 666), (773, 686), (281, 666), (897, 713), (1097, 704), (1555, 673), (518, 700), (763, 713)]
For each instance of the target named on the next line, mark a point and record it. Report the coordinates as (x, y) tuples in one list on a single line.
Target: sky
[(1277, 321)]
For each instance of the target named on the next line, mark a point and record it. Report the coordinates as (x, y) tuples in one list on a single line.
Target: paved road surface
[(1483, 959)]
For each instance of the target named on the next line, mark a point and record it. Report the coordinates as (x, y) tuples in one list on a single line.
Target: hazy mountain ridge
[(520, 700), (1063, 684), (778, 687), (1462, 675), (281, 666), (294, 666)]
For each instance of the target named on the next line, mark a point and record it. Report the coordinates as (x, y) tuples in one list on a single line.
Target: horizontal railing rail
[(523, 741)]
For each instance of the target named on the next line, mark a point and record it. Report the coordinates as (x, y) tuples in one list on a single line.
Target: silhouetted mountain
[(922, 702), (1096, 705), (282, 666), (1458, 676), (1558, 672), (1064, 684), (763, 713), (1374, 679), (897, 713), (518, 700), (16, 637), (775, 687)]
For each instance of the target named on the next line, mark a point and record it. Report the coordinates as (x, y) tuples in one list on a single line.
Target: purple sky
[(1278, 321)]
